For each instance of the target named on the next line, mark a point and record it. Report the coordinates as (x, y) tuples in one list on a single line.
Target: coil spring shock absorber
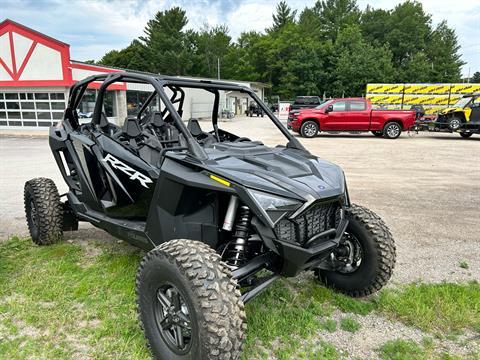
[(237, 250)]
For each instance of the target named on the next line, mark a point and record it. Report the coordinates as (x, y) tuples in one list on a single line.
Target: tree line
[(331, 48)]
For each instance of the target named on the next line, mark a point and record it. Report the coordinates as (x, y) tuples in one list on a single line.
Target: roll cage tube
[(211, 85), (159, 83)]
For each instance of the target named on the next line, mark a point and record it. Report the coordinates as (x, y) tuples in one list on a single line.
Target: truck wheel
[(465, 135), (392, 130), (43, 211), (377, 133), (309, 129), (188, 304), (365, 259), (454, 123)]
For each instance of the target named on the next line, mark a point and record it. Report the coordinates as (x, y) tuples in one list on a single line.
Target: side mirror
[(329, 109)]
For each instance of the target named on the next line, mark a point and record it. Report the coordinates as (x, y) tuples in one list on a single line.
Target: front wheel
[(309, 129), (364, 261), (465, 135), (392, 130), (454, 123), (189, 306)]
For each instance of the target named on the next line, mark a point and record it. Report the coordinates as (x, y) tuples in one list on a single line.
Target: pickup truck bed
[(351, 114)]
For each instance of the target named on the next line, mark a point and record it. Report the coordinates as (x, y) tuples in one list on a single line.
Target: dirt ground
[(426, 187)]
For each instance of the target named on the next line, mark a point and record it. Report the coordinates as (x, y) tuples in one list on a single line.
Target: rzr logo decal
[(134, 175)]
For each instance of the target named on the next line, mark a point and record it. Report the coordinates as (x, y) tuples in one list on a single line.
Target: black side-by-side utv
[(221, 216)]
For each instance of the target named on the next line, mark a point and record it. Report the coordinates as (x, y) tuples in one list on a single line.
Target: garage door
[(31, 109)]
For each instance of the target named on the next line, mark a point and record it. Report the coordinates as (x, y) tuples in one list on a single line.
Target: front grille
[(316, 219)]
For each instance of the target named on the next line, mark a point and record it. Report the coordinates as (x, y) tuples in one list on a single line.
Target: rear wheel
[(465, 135), (309, 129), (189, 306), (364, 261), (43, 210), (392, 130), (377, 133)]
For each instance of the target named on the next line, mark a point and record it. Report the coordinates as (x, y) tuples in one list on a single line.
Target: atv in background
[(463, 117), (254, 109), (221, 216)]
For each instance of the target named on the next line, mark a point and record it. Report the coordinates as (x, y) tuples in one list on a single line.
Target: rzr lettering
[(134, 175)]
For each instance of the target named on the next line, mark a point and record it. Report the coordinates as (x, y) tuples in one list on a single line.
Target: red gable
[(30, 58)]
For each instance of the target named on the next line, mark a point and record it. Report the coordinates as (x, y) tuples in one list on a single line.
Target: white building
[(36, 72)]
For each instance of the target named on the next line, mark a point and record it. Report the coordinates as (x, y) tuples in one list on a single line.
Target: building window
[(28, 105), (41, 96), (11, 96), (13, 115), (43, 106), (57, 96)]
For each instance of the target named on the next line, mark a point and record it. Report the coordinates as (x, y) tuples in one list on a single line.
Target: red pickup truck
[(350, 114)]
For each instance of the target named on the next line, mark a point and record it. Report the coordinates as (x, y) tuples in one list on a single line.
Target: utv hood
[(282, 171), (449, 110)]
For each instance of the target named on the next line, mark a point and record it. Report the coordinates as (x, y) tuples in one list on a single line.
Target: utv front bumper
[(305, 239)]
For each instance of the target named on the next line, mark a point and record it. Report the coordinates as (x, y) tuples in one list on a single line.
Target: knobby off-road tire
[(212, 302), (44, 211), (378, 255)]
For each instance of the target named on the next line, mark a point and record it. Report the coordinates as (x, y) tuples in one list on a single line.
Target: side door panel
[(335, 120), (358, 117)]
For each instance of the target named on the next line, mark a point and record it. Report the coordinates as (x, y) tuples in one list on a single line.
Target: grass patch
[(463, 264), (410, 350), (436, 307), (349, 324), (61, 302)]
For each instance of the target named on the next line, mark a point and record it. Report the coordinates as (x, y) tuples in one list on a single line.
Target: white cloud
[(93, 27)]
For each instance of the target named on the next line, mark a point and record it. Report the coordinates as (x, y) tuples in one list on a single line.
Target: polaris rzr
[(221, 216)]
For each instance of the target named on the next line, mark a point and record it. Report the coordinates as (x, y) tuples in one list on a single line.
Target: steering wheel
[(241, 139)]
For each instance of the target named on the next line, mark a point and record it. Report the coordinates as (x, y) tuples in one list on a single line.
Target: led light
[(270, 202), (220, 180)]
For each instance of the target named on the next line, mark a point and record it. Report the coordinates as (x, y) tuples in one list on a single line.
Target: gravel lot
[(426, 187)]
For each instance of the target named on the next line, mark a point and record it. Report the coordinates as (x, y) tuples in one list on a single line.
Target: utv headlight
[(275, 207)]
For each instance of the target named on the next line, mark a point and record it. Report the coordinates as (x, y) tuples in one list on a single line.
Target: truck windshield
[(322, 105), (462, 102)]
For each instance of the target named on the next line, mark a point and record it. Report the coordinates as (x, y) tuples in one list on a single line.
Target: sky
[(93, 27)]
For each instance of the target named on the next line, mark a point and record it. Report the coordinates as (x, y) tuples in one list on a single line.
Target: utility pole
[(218, 68)]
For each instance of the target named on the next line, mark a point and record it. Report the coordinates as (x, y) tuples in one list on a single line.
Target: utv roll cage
[(176, 85)]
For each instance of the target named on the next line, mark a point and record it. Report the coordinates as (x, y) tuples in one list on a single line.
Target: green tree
[(284, 15), (407, 31), (211, 44), (132, 57), (417, 69), (359, 63), (476, 77), (334, 15), (443, 50), (169, 47)]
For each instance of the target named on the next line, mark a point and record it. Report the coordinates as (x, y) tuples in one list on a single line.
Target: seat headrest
[(194, 127), (131, 127), (157, 119)]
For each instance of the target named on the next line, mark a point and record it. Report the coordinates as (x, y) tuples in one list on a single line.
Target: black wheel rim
[(172, 315), (33, 214), (349, 258)]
